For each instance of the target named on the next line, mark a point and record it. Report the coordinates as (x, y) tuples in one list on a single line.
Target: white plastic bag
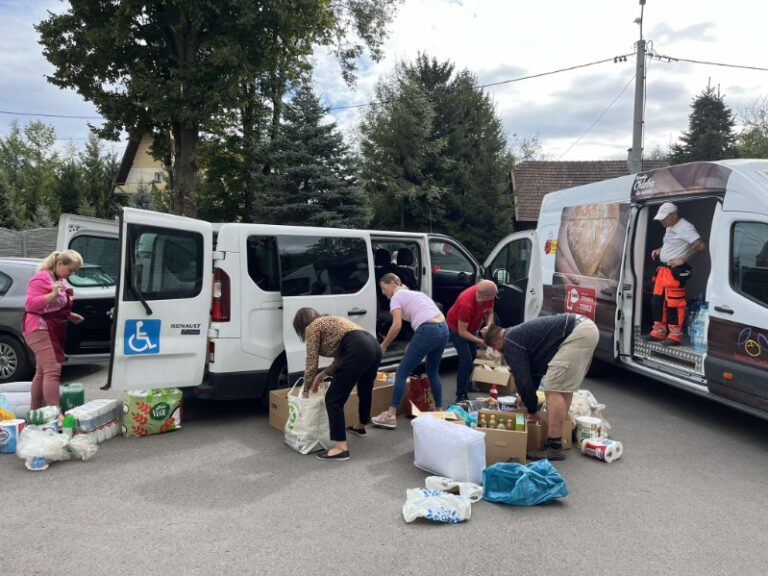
[(448, 450), (306, 429), (470, 491), (35, 443), (83, 446), (584, 403), (436, 505)]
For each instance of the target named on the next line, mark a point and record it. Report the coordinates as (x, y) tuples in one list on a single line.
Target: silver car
[(16, 360)]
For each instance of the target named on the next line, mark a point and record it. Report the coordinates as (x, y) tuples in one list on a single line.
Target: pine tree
[(710, 134), (68, 188), (7, 215), (98, 172), (313, 180), (434, 150)]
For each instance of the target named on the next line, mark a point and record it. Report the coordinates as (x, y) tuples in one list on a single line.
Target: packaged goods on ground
[(99, 418), (602, 449), (71, 396), (382, 396), (537, 434), (473, 492), (43, 415), (307, 429), (446, 449), (10, 431), (507, 443), (38, 447), (155, 411), (436, 506)]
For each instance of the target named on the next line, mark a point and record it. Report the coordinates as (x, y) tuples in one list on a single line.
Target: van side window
[(5, 283), (511, 264), (167, 264), (263, 265), (749, 260), (312, 265), (100, 261), (447, 258)]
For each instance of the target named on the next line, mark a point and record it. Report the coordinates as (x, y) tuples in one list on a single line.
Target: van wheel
[(14, 363), (277, 378)]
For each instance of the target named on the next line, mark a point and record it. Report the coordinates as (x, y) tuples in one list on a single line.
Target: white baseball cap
[(665, 210)]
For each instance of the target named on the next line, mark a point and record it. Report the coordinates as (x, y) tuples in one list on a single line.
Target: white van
[(211, 306), (590, 254)]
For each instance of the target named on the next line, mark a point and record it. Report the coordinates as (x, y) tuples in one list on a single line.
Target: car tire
[(277, 378), (14, 362)]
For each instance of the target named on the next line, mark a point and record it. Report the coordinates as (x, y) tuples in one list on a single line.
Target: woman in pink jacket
[(47, 310)]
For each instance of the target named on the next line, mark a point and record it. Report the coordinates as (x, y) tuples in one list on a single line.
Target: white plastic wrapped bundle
[(448, 450)]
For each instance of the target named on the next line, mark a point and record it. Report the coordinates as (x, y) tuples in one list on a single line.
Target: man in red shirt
[(472, 308)]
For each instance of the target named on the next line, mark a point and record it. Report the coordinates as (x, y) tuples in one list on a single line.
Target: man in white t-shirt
[(681, 242)]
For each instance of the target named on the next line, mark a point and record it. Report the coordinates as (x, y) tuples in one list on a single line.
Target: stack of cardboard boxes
[(491, 369)]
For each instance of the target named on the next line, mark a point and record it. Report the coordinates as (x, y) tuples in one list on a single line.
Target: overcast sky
[(497, 40)]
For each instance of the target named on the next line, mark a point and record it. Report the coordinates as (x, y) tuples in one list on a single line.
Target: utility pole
[(635, 160)]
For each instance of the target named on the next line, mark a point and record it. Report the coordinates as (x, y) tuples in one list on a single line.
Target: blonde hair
[(66, 257), (390, 278)]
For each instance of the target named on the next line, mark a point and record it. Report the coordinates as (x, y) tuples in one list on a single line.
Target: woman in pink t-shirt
[(430, 335), (47, 310)]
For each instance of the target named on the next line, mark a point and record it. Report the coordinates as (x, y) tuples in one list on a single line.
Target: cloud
[(500, 74), (666, 35)]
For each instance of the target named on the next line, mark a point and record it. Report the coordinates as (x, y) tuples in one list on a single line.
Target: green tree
[(752, 142), (710, 134), (8, 216), (68, 189), (313, 180), (178, 66), (98, 170), (30, 162), (435, 157)]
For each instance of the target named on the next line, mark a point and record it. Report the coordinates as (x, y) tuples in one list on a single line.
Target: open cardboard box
[(484, 377), (278, 404), (537, 435), (503, 445), (442, 415)]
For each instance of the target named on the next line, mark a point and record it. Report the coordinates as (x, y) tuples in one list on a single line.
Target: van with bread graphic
[(671, 264)]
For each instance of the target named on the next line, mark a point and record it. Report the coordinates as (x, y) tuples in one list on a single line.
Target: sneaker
[(461, 398), (545, 453), (384, 420), (651, 338), (341, 456), (670, 342), (357, 431)]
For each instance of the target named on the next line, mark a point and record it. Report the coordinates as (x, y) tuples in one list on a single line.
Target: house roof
[(128, 157), (532, 179)]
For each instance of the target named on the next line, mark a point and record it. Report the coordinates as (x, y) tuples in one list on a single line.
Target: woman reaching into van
[(356, 355), (430, 335)]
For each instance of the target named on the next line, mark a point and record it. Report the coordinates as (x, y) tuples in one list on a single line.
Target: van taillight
[(220, 301), (211, 352)]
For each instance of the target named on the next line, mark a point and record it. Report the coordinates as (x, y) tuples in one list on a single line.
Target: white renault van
[(590, 254), (211, 306)]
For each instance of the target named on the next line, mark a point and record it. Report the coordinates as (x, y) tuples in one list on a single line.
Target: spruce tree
[(7, 216), (313, 179), (710, 134)]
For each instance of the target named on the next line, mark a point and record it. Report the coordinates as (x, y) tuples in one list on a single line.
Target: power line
[(598, 118), (43, 115), (620, 58), (663, 57)]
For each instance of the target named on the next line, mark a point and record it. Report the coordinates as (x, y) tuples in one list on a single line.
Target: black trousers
[(359, 355)]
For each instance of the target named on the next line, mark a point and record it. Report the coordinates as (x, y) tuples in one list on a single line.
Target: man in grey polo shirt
[(557, 349)]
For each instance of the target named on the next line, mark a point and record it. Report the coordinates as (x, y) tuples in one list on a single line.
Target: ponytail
[(66, 257)]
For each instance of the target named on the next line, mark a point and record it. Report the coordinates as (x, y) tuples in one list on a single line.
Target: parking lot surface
[(224, 495)]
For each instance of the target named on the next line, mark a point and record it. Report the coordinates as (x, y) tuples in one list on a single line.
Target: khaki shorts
[(569, 365)]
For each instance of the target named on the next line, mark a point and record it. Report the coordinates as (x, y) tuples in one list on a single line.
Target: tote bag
[(306, 429)]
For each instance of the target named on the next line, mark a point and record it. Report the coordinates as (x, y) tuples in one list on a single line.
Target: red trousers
[(669, 302)]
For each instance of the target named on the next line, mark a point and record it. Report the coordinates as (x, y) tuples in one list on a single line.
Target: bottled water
[(699, 336)]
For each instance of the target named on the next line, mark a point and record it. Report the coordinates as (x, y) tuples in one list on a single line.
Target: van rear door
[(163, 301), (94, 284), (330, 271)]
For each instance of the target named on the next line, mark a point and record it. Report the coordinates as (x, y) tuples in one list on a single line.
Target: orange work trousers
[(669, 302)]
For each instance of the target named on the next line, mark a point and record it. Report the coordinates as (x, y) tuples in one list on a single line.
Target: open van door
[(163, 301), (514, 265), (94, 284), (330, 271)]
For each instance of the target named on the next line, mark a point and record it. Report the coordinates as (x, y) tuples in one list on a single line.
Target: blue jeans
[(428, 341), (466, 352)]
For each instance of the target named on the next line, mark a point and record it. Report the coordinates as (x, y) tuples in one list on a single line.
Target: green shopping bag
[(153, 411)]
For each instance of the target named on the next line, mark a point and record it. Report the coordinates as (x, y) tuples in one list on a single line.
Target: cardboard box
[(278, 404), (439, 414), (504, 445), (537, 435), (484, 377)]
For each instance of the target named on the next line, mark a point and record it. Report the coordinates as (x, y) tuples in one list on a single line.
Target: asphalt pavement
[(224, 495)]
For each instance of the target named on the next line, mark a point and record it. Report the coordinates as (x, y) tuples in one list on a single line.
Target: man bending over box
[(556, 348)]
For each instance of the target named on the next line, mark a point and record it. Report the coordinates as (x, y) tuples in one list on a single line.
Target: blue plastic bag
[(520, 485)]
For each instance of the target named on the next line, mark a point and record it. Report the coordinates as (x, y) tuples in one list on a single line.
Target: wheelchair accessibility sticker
[(141, 337)]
